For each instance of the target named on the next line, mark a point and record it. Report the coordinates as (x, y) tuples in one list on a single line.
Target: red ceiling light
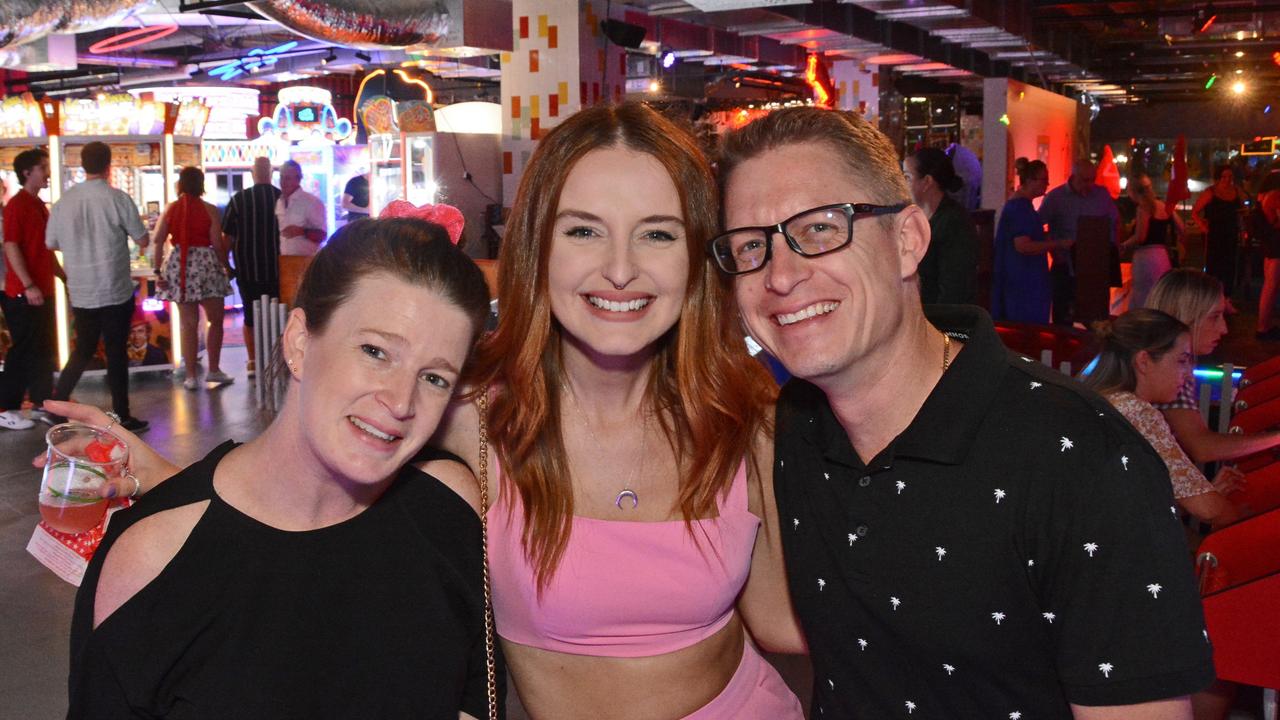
[(132, 38), (815, 73), (1204, 19)]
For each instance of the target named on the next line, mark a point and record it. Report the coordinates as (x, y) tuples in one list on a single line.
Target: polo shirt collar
[(945, 428)]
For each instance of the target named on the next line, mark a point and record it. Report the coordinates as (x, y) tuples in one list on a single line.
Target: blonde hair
[(1186, 294)]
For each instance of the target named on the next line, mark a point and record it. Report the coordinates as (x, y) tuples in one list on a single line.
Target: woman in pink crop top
[(631, 434), (633, 537)]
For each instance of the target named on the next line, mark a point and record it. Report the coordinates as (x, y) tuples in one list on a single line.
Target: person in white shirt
[(91, 225), (299, 214)]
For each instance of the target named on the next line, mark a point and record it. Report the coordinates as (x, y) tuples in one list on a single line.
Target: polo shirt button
[(864, 481), (862, 531)]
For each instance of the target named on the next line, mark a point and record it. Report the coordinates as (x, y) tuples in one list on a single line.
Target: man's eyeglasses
[(811, 233)]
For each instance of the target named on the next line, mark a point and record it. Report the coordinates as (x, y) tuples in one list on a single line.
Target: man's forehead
[(789, 179)]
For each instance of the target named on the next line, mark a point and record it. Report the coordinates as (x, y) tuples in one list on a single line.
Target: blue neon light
[(257, 58)]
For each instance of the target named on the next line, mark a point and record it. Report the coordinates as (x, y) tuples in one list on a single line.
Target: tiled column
[(560, 63), (857, 88)]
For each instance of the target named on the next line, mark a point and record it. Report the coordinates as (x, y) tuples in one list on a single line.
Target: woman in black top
[(1217, 213), (304, 574), (949, 270), (1154, 232)]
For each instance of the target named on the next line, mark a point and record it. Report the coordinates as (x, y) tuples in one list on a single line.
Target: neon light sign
[(305, 114), (257, 58), (133, 38), (816, 75)]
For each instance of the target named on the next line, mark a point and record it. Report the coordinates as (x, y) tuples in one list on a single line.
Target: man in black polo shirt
[(967, 534), (250, 222)]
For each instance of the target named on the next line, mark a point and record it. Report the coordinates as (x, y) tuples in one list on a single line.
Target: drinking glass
[(79, 462)]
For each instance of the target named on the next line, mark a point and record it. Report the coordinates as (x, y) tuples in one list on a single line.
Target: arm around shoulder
[(765, 602)]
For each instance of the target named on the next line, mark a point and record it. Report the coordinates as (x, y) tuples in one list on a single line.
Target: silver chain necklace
[(626, 492)]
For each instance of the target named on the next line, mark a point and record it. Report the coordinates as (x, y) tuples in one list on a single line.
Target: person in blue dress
[(1020, 284)]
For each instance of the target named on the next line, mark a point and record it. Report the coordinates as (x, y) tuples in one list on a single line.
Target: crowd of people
[(91, 225), (609, 498)]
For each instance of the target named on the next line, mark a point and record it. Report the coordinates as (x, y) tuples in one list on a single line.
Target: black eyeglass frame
[(852, 211)]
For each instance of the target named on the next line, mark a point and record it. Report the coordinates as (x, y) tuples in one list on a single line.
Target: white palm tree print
[(1173, 510), (1015, 715), (901, 486), (1105, 669), (998, 617), (949, 668), (1154, 589), (1031, 562), (795, 523), (1091, 548), (1124, 460), (895, 602), (911, 707), (826, 476), (862, 644), (821, 584), (942, 552), (1066, 443), (1049, 616), (999, 495), (852, 539), (1035, 385), (832, 683)]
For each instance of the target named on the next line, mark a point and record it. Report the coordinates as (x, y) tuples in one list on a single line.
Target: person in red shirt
[(28, 294)]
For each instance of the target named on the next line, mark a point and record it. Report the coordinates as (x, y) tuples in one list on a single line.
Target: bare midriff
[(561, 686)]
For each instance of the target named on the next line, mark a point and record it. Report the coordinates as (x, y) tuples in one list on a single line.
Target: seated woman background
[(1146, 355), (304, 573), (1197, 300)]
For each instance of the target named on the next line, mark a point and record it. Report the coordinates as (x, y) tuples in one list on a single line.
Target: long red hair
[(710, 396)]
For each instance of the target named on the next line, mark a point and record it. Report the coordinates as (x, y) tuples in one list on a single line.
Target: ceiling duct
[(48, 54), (22, 21), (380, 24)]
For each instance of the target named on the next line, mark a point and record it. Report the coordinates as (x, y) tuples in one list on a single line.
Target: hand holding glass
[(79, 463)]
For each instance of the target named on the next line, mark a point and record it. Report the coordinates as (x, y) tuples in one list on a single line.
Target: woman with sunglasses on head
[(633, 537), (309, 572)]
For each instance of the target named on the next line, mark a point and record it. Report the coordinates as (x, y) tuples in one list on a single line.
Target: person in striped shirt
[(251, 229)]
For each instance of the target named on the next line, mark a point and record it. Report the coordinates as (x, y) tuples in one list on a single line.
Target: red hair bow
[(446, 216)]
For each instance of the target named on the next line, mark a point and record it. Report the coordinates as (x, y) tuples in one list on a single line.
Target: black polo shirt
[(1014, 550)]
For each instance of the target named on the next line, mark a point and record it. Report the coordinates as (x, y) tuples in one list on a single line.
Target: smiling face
[(619, 264), (820, 316), (375, 382), (1159, 379)]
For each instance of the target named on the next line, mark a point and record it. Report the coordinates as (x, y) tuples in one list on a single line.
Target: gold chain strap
[(482, 404)]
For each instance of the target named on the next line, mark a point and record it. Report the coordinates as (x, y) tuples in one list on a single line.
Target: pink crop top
[(623, 589)]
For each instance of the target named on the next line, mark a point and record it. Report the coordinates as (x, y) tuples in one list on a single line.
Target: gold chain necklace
[(946, 351)]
